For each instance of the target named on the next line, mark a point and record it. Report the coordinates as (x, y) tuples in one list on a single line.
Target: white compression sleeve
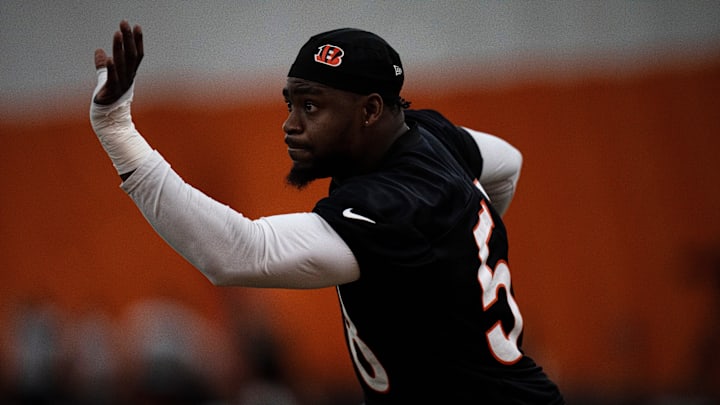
[(283, 251), (114, 128), (501, 168)]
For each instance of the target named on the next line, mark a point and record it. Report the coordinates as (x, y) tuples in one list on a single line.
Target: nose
[(292, 124)]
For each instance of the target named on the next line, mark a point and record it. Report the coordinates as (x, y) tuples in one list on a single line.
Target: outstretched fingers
[(139, 48), (127, 52), (119, 58)]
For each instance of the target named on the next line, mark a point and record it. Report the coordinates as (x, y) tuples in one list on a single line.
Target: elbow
[(515, 162), (511, 168), (217, 281), (226, 275), (224, 281), (219, 275), (502, 189)]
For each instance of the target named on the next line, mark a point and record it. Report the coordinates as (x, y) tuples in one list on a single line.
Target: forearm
[(286, 251)]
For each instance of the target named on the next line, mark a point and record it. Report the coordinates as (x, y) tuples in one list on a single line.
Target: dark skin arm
[(127, 52)]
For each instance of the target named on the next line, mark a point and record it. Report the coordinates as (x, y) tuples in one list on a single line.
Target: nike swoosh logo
[(348, 213)]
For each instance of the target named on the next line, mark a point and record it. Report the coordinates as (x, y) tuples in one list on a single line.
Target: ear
[(373, 109)]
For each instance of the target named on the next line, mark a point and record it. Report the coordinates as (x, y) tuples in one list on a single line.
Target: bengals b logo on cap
[(330, 55), (351, 60)]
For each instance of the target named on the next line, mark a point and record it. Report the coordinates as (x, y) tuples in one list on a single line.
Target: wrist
[(116, 132)]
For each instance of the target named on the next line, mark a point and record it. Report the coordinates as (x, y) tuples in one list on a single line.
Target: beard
[(300, 176)]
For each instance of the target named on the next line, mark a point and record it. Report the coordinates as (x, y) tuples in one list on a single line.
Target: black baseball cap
[(352, 60)]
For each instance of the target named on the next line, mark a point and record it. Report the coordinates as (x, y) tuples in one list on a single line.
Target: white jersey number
[(377, 377), (502, 345)]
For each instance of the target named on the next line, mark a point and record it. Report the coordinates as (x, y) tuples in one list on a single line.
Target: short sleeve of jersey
[(376, 226)]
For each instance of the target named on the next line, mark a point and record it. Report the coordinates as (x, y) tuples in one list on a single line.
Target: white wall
[(241, 48)]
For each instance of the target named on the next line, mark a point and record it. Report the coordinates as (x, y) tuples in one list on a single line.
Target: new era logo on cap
[(330, 55)]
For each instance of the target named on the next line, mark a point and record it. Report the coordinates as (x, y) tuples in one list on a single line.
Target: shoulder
[(458, 143), (416, 184), (389, 195)]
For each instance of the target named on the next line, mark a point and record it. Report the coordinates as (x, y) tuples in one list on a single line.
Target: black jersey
[(432, 318)]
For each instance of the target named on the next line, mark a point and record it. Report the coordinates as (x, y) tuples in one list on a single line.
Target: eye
[(310, 106)]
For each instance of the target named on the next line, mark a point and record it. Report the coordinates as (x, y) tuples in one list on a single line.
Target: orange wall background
[(614, 231)]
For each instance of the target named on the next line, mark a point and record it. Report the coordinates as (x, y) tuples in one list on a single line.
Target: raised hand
[(121, 68)]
